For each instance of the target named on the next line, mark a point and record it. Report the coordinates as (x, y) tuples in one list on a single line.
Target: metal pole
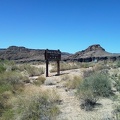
[(58, 67), (46, 68)]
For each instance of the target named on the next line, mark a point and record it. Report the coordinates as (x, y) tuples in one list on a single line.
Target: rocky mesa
[(93, 52)]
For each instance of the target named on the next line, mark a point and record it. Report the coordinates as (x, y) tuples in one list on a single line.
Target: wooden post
[(58, 67), (47, 68)]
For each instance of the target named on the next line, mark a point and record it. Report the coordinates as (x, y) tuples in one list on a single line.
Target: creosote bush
[(92, 87)]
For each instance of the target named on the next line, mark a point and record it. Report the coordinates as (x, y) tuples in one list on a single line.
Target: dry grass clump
[(100, 66), (32, 70), (13, 81), (73, 83), (87, 73), (2, 67), (65, 77), (116, 64), (117, 82), (86, 65), (36, 104), (65, 66), (116, 107), (28, 69), (10, 85), (50, 82), (39, 81)]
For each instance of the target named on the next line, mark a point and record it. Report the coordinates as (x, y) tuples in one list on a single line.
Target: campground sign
[(52, 55)]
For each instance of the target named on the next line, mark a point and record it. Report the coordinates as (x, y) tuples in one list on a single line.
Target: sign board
[(52, 55)]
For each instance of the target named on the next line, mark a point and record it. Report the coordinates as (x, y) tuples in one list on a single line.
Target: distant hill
[(93, 52), (22, 54)]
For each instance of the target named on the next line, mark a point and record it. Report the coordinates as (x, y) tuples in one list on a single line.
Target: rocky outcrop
[(22, 54), (93, 53)]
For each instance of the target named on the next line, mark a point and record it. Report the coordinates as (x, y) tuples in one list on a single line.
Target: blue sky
[(68, 25)]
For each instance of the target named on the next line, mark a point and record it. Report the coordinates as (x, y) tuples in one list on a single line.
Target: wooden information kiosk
[(52, 55)]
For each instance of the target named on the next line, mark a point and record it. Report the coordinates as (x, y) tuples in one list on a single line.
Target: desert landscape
[(59, 60), (88, 87)]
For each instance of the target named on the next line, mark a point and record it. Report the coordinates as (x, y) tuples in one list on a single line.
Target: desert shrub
[(11, 78), (92, 87), (33, 71), (50, 82), (65, 66), (117, 81), (37, 106), (39, 81), (100, 66), (5, 87), (2, 67), (118, 64), (101, 84), (65, 77), (85, 65), (87, 73), (25, 79), (116, 109), (86, 95), (88, 100), (4, 105), (73, 82)]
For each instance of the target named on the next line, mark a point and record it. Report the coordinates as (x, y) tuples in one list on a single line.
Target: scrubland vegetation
[(19, 101), (100, 80), (23, 99)]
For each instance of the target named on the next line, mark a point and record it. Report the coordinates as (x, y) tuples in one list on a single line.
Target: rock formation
[(22, 54), (93, 53)]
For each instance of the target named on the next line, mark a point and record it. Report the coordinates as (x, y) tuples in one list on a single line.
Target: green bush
[(101, 84), (92, 87)]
